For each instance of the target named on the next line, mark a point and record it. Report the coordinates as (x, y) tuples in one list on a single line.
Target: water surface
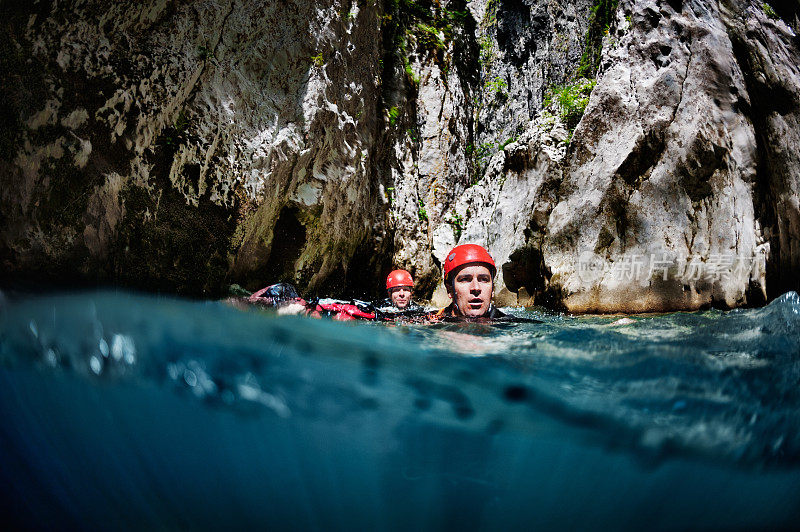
[(128, 411)]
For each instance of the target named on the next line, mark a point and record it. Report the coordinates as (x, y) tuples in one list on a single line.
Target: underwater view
[(131, 411)]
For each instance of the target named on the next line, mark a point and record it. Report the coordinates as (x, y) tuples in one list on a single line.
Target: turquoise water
[(130, 411)]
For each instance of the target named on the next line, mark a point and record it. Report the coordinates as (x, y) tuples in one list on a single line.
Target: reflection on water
[(155, 412)]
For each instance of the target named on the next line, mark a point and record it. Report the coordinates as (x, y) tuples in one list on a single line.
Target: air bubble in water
[(50, 357), (96, 364), (103, 347), (116, 347), (34, 329), (248, 392), (122, 348), (190, 377)]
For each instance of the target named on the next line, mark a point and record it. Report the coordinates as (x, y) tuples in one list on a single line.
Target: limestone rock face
[(429, 166), (475, 171), (526, 47), (507, 210), (768, 52), (672, 197), (192, 143)]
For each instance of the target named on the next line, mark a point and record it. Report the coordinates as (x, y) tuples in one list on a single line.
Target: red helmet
[(466, 254), (399, 278)]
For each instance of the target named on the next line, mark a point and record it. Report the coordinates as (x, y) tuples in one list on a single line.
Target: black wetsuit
[(492, 313)]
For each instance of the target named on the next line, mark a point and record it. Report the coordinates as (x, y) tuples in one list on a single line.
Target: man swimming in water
[(469, 273), (400, 287)]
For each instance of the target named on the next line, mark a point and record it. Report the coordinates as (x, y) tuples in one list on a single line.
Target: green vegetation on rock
[(205, 53), (418, 26), (570, 100), (769, 11), (429, 37), (394, 114), (600, 18), (508, 141), (497, 87), (175, 135), (456, 221), (487, 53), (422, 214)]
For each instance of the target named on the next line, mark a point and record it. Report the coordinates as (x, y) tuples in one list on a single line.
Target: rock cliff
[(673, 196), (613, 156), (184, 145)]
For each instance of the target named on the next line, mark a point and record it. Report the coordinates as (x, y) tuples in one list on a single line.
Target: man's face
[(472, 290), (401, 296)]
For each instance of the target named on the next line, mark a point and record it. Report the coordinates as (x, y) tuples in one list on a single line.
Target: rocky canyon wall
[(186, 146), (671, 191)]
